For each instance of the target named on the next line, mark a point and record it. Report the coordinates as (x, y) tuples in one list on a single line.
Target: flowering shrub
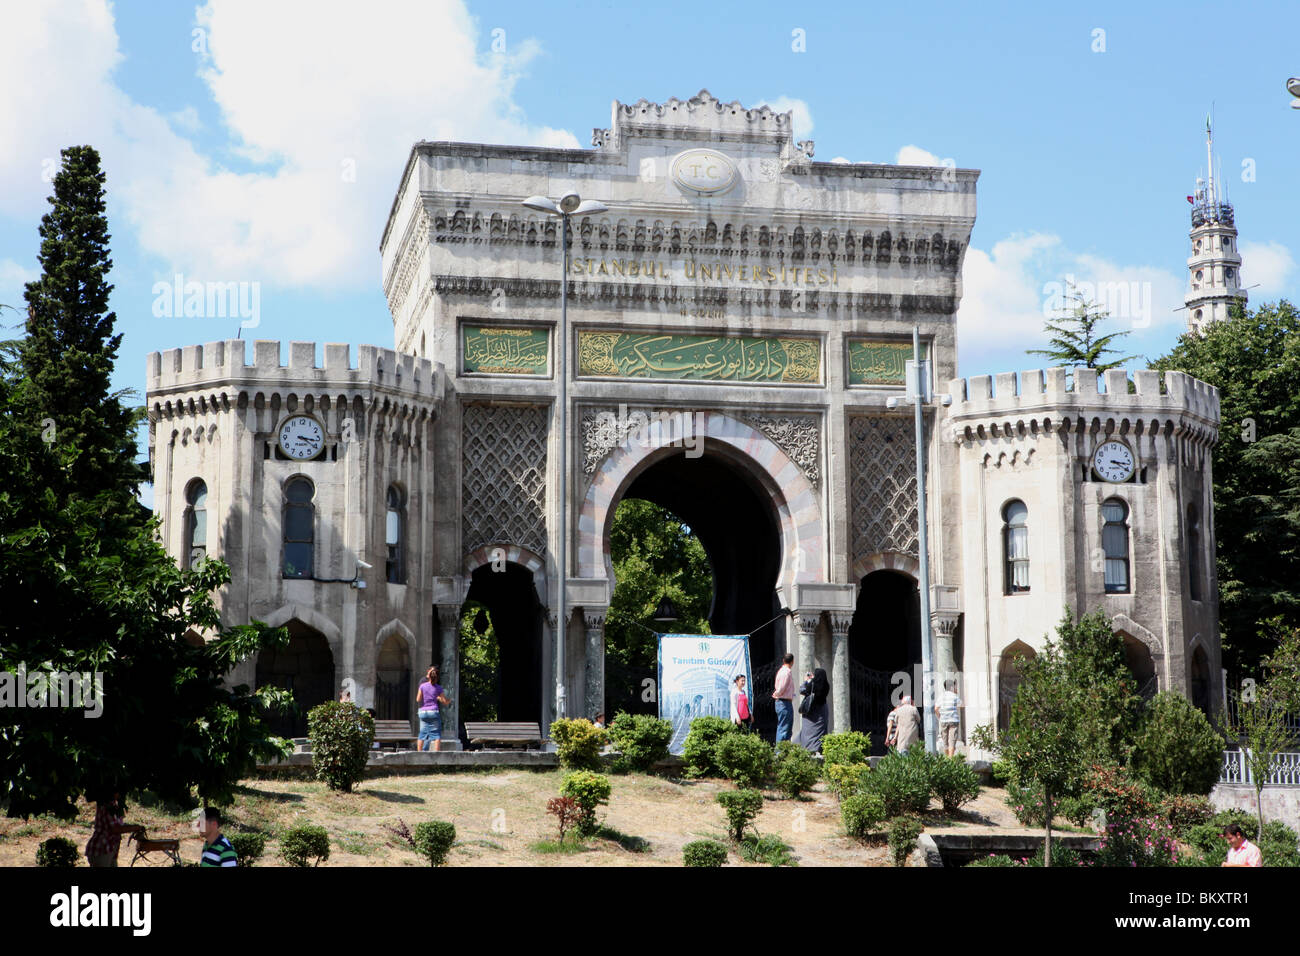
[(1138, 841)]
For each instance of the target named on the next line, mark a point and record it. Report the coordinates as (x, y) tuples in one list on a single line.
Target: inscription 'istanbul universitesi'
[(705, 271), (713, 358)]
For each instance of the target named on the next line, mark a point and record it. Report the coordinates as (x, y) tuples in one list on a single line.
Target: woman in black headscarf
[(814, 707)]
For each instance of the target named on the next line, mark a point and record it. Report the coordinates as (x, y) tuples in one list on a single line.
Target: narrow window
[(1193, 553), (299, 528), (394, 535), (1015, 540), (1114, 542), (196, 523)]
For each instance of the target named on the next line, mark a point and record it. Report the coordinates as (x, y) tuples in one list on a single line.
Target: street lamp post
[(570, 204)]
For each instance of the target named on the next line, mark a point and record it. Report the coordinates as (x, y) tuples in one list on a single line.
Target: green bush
[(304, 843), (433, 840), (58, 852), (341, 735), (590, 790), (847, 747), (796, 770), (769, 849), (846, 779), (1277, 846), (1115, 791), (249, 847), (1078, 810), (995, 859), (744, 758), (902, 781), (1062, 856), (578, 743), (903, 832), (1136, 841), (1026, 802), (862, 814), (953, 781), (641, 739), (741, 807), (1002, 771), (1177, 750), (699, 749), (1184, 812), (704, 853)]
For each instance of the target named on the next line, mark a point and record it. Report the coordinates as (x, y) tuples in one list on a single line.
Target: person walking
[(783, 695), (909, 725), (741, 715), (891, 727), (106, 834), (948, 711), (814, 707), (430, 702), (217, 850)]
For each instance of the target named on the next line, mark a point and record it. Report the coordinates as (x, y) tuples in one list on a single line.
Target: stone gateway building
[(739, 318)]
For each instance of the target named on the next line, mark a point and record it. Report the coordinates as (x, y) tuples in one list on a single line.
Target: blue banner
[(696, 674)]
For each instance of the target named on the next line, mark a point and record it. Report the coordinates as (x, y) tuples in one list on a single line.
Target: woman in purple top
[(430, 702)]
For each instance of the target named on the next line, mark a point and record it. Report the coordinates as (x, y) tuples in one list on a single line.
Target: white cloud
[(308, 98), (1266, 263), (1011, 291), (13, 280), (916, 156), (803, 121)]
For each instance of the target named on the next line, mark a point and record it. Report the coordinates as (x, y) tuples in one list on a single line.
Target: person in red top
[(106, 835), (783, 694), (1241, 851)]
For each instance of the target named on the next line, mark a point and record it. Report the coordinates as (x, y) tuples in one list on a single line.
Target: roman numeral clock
[(301, 437)]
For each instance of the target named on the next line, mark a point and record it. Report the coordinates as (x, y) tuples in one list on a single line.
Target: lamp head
[(891, 402), (569, 202), (542, 204)]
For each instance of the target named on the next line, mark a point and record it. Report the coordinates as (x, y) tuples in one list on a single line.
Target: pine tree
[(1074, 337)]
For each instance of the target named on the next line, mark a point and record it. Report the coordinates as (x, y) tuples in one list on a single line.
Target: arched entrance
[(1201, 681), (513, 620), (884, 643), (732, 516), (1141, 665), (305, 667), (1009, 679), (393, 694)]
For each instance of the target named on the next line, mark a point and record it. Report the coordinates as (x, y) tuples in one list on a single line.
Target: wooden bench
[(504, 734), (144, 846), (393, 732)]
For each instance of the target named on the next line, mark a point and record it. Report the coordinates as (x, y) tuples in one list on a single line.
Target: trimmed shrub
[(641, 739), (1177, 750), (578, 743), (341, 735), (796, 770), (744, 758), (699, 751), (847, 747), (1002, 771), (1078, 810), (769, 849), (741, 807), (862, 814), (57, 852), (433, 840), (846, 779), (903, 832), (902, 781), (704, 853), (953, 781), (249, 847), (301, 845), (590, 790)]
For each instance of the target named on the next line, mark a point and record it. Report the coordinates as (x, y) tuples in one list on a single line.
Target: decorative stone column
[(803, 662), (594, 621), (840, 671), (943, 625), (449, 672)]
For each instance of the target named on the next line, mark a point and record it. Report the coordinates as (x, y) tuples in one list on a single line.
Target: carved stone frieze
[(799, 436)]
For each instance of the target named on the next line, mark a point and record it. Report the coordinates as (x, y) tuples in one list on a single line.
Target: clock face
[(301, 437), (1113, 461)]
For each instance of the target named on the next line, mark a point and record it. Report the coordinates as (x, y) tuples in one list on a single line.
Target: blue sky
[(223, 147)]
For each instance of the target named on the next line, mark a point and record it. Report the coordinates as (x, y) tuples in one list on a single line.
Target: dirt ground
[(500, 815)]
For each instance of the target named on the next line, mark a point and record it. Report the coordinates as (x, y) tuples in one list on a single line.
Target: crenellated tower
[(1215, 263)]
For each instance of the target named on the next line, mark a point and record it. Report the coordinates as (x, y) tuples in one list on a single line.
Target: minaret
[(1215, 264)]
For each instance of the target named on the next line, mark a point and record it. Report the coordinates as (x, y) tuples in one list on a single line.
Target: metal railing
[(1292, 720), (1236, 770)]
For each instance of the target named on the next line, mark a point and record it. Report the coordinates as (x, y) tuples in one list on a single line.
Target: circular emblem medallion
[(703, 172)]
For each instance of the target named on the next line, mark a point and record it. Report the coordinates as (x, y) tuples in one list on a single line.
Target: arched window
[(395, 536), (196, 523), (1193, 553), (1015, 546), (299, 528), (1114, 542)]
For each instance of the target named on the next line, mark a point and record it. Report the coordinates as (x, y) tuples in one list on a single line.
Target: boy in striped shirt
[(217, 850)]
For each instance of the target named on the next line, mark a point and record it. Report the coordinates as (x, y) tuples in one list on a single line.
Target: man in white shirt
[(1241, 851), (949, 716)]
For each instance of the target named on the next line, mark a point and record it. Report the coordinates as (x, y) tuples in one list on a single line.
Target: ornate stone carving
[(503, 484), (805, 146), (599, 137), (882, 485), (799, 436)]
